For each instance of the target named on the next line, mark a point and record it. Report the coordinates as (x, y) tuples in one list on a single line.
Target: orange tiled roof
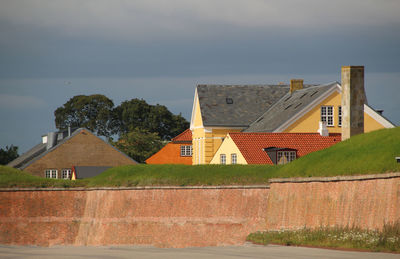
[(251, 144), (185, 136)]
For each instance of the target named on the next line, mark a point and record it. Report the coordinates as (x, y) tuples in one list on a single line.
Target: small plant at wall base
[(386, 240)]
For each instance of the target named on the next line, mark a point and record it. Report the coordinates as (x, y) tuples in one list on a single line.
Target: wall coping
[(138, 188), (275, 180), (335, 178)]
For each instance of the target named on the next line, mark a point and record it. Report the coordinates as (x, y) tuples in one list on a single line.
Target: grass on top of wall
[(11, 177), (185, 175), (385, 240), (370, 153)]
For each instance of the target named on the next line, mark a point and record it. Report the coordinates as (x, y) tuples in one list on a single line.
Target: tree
[(139, 144), (8, 154), (137, 113), (93, 112)]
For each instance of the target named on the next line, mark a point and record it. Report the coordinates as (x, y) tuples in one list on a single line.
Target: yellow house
[(220, 109), (295, 108)]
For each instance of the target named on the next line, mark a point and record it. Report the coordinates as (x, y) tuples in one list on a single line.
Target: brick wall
[(177, 217), (194, 216), (363, 201), (83, 149)]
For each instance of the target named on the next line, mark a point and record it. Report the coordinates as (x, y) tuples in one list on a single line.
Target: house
[(270, 148), (295, 108), (60, 152), (178, 151)]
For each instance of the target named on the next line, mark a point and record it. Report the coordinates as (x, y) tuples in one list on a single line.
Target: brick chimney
[(296, 84), (353, 99)]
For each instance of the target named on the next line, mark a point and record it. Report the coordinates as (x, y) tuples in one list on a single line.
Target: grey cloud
[(145, 20), (11, 102)]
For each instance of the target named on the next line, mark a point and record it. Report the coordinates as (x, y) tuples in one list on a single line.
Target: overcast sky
[(159, 50)]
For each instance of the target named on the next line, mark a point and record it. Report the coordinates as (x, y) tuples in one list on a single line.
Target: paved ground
[(247, 251)]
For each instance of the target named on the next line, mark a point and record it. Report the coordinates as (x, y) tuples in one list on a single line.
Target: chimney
[(51, 140), (353, 99), (296, 84), (323, 131)]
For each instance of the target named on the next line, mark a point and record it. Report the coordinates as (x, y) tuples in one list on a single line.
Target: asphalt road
[(246, 251)]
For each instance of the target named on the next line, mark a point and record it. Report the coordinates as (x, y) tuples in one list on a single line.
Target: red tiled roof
[(185, 136), (251, 144)]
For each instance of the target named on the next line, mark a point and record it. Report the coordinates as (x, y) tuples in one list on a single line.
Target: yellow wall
[(206, 141), (228, 148), (310, 121), (370, 124)]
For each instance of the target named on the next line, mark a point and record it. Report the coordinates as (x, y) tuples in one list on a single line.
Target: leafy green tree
[(8, 154), (139, 144), (93, 112), (137, 113)]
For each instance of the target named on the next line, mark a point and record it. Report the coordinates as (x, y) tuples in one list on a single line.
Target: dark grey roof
[(236, 105), (89, 171), (26, 157), (286, 107)]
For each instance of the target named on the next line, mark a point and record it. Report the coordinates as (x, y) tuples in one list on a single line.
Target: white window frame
[(290, 156), (233, 159), (66, 173), (186, 150), (327, 115), (222, 159), (51, 173), (340, 116)]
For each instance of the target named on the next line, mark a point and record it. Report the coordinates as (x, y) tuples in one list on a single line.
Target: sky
[(159, 50)]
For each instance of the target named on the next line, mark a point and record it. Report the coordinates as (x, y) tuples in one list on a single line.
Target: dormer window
[(280, 156), (229, 100)]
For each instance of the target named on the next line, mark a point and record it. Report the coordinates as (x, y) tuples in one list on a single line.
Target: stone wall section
[(176, 217), (367, 202), (194, 216)]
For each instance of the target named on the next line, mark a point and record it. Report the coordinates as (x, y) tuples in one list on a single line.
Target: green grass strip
[(387, 240)]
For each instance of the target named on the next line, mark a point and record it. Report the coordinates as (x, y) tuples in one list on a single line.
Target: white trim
[(308, 108), (379, 118), (327, 116), (193, 110)]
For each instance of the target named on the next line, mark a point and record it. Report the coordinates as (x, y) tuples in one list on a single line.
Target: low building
[(178, 151), (270, 148), (60, 152)]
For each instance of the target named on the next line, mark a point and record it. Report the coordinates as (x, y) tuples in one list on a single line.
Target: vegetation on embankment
[(386, 240), (10, 177), (370, 153)]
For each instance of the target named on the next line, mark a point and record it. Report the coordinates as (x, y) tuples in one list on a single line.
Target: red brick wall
[(181, 217), (366, 204), (159, 217), (83, 149), (170, 154)]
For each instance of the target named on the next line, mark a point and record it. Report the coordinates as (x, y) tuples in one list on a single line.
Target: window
[(340, 116), (186, 150), (327, 115), (233, 159), (289, 156), (51, 173), (66, 173), (222, 159)]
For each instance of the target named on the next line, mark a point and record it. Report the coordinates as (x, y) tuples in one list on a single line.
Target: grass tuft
[(386, 240)]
